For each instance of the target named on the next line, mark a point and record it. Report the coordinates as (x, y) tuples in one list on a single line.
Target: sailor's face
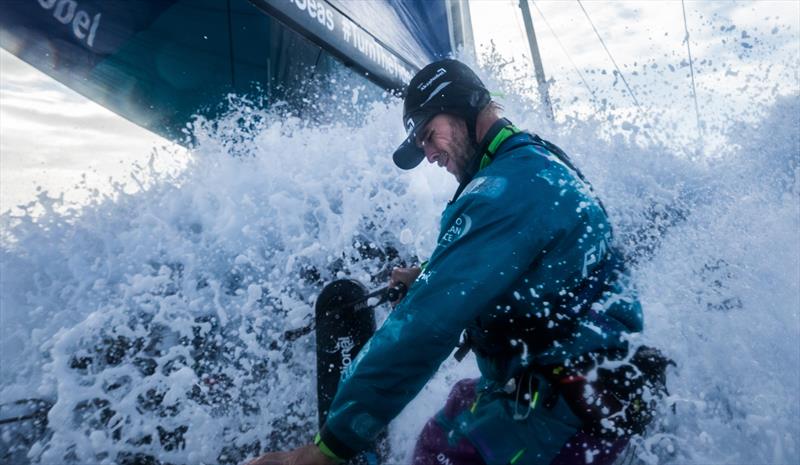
[(445, 141)]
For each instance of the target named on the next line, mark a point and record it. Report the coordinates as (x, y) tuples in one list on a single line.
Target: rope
[(630, 91), (563, 49), (691, 70)]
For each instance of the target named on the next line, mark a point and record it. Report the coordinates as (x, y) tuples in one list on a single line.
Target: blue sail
[(158, 62)]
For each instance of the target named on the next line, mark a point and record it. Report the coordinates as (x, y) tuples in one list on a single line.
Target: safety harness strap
[(498, 133), (591, 288)]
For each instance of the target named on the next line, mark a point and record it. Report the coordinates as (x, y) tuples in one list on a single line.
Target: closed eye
[(427, 136)]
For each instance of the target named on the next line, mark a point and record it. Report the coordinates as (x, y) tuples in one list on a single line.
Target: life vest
[(621, 397)]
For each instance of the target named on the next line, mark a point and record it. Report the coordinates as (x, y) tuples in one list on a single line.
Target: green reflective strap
[(501, 137), (504, 134), (517, 456), (485, 161), (325, 450), (475, 404), (535, 399)]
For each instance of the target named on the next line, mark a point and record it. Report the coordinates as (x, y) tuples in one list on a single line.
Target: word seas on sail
[(316, 9)]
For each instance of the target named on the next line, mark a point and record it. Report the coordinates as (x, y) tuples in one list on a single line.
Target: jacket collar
[(498, 133)]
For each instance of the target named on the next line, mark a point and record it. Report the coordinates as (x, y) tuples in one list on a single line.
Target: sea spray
[(155, 320), (159, 320)]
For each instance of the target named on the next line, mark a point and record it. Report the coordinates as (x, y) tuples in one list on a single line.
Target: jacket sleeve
[(487, 241)]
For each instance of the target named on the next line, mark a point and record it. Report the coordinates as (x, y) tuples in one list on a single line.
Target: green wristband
[(325, 450)]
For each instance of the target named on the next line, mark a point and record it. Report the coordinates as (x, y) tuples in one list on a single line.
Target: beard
[(464, 154)]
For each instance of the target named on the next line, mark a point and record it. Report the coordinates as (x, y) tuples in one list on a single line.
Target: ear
[(461, 124), (475, 98), (479, 98)]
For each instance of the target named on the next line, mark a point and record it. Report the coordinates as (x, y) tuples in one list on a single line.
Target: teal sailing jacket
[(523, 264)]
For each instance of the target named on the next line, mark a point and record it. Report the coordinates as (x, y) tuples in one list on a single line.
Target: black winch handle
[(387, 294), (393, 294)]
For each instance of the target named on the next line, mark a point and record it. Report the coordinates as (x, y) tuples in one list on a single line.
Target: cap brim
[(408, 155)]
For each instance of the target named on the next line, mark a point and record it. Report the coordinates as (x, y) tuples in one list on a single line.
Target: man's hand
[(405, 276), (305, 455)]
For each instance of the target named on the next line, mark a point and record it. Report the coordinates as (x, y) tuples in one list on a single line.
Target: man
[(524, 268)]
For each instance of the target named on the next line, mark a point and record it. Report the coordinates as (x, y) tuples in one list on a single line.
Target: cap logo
[(409, 125), (435, 91), (439, 73)]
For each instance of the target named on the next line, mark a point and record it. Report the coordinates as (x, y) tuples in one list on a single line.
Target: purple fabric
[(434, 447)]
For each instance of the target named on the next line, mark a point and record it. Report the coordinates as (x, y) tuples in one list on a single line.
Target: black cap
[(446, 86)]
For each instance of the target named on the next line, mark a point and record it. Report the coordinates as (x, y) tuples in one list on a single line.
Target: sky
[(645, 38), (52, 139)]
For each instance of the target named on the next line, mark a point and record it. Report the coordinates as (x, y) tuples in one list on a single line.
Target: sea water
[(155, 321)]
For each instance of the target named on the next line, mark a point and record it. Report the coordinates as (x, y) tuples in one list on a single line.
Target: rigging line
[(691, 69), (563, 49), (630, 91)]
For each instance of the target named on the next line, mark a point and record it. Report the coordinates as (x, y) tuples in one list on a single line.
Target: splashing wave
[(155, 322)]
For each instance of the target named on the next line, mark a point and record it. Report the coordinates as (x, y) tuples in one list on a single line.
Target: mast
[(544, 94), (460, 26)]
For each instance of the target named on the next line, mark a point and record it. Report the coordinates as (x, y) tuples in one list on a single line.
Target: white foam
[(184, 290)]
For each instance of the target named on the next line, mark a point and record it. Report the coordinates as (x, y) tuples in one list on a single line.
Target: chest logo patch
[(487, 186)]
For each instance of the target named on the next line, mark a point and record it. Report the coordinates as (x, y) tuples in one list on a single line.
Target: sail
[(158, 62)]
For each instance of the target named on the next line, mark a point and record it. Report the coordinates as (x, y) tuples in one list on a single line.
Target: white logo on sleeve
[(594, 255), (486, 186), (458, 228)]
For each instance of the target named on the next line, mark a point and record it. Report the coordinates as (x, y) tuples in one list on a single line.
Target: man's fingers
[(406, 276), (395, 276), (402, 278), (305, 455), (271, 458)]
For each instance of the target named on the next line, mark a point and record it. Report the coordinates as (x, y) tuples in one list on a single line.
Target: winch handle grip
[(397, 292)]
